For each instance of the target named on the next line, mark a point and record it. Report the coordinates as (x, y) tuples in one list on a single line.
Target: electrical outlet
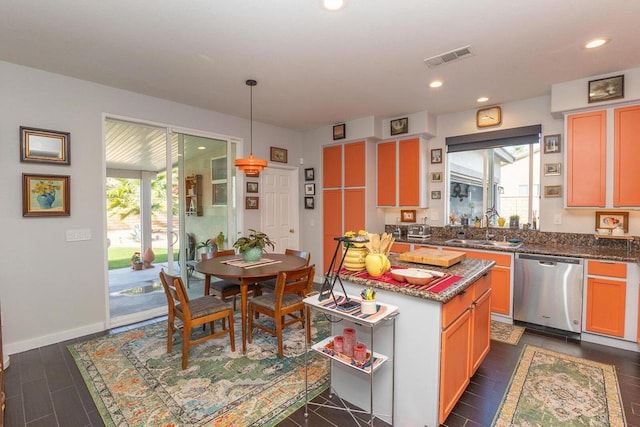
[(435, 215), (557, 219)]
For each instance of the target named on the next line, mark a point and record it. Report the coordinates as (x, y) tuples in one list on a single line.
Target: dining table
[(233, 268)]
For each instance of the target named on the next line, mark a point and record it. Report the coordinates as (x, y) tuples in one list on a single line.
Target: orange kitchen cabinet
[(386, 177), (355, 165), (409, 172), (586, 159), (400, 247), (455, 362), (354, 209), (607, 268), (606, 306), (332, 166), (626, 152), (638, 318), (480, 329), (332, 223)]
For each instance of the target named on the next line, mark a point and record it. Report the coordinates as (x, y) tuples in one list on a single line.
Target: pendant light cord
[(251, 83)]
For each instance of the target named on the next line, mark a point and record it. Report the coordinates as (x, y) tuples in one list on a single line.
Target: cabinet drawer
[(500, 259), (611, 269), (481, 285), (455, 307), (400, 247)]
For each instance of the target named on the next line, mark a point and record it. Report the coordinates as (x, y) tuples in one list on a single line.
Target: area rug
[(506, 333), (134, 382), (554, 389)]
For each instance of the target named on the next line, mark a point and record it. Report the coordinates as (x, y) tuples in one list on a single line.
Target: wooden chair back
[(302, 254), (176, 294), (224, 253), (297, 282)]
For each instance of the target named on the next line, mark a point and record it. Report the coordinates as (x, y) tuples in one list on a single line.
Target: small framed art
[(46, 195), (408, 215), (436, 176), (612, 220), (435, 195), (436, 155), (551, 144), (339, 132), (552, 190), (309, 189), (309, 174), (279, 155), (44, 146), (251, 203), (309, 203), (606, 89), (551, 169), (399, 126), (252, 187)]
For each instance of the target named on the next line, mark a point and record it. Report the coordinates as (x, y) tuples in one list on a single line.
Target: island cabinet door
[(481, 330), (454, 364)]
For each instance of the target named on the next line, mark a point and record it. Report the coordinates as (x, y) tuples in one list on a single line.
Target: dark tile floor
[(44, 387)]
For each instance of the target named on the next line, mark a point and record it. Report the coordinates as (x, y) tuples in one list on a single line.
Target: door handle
[(291, 230)]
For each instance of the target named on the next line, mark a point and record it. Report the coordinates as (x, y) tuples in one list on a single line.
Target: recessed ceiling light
[(596, 43), (202, 148), (333, 4), (435, 83), (483, 99)]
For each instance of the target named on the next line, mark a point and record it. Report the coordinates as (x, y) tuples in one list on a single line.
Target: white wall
[(51, 289)]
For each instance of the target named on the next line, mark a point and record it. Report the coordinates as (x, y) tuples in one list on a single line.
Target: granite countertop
[(469, 269), (594, 251)]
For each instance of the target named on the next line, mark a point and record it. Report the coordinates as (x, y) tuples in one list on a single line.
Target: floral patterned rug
[(554, 389), (134, 382), (505, 332)]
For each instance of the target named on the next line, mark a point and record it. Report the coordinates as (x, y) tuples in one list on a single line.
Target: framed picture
[(552, 190), (309, 174), (309, 189), (606, 89), (551, 169), (435, 195), (399, 126), (251, 202), (255, 174), (309, 203), (436, 176), (219, 194), (612, 220), (252, 187), (339, 131), (44, 146), (408, 215), (46, 195), (551, 144), (278, 155), (436, 155)]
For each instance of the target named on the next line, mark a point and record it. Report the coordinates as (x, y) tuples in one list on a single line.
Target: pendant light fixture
[(250, 164)]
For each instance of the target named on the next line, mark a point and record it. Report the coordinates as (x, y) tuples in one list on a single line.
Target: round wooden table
[(247, 276)]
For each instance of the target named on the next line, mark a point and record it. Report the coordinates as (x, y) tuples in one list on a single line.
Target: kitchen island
[(440, 340)]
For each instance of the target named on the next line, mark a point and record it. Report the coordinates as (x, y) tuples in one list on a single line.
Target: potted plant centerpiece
[(252, 246)]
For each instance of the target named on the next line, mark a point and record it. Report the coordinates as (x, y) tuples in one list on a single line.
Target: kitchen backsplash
[(528, 236)]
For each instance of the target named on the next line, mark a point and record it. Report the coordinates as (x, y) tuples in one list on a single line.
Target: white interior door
[(280, 207)]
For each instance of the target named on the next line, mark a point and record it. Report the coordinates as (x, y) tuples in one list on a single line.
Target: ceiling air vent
[(447, 57)]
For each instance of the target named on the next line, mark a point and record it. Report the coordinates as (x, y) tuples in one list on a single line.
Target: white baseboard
[(611, 342), (20, 346)]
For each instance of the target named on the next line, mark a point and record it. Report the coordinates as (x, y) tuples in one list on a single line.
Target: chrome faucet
[(491, 213)]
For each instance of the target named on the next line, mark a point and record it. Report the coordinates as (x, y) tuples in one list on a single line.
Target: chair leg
[(279, 320), (232, 335), (169, 336), (250, 334), (186, 336)]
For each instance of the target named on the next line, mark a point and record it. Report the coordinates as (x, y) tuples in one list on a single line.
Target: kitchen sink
[(467, 241), (493, 243)]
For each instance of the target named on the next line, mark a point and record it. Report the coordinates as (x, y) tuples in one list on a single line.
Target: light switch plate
[(78, 235)]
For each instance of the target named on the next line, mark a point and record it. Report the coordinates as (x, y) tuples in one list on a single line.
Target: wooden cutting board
[(433, 257)]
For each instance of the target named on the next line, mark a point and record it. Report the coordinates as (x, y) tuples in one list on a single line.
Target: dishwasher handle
[(547, 263), (549, 260)]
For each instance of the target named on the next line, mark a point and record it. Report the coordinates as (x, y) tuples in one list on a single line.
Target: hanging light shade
[(250, 164)]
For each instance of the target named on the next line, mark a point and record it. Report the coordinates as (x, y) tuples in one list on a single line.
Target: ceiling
[(316, 68)]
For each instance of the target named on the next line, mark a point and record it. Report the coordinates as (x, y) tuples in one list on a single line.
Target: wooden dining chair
[(291, 288), (270, 285), (223, 289), (192, 313)]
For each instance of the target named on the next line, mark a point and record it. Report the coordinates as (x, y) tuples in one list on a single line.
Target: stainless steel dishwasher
[(547, 291)]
